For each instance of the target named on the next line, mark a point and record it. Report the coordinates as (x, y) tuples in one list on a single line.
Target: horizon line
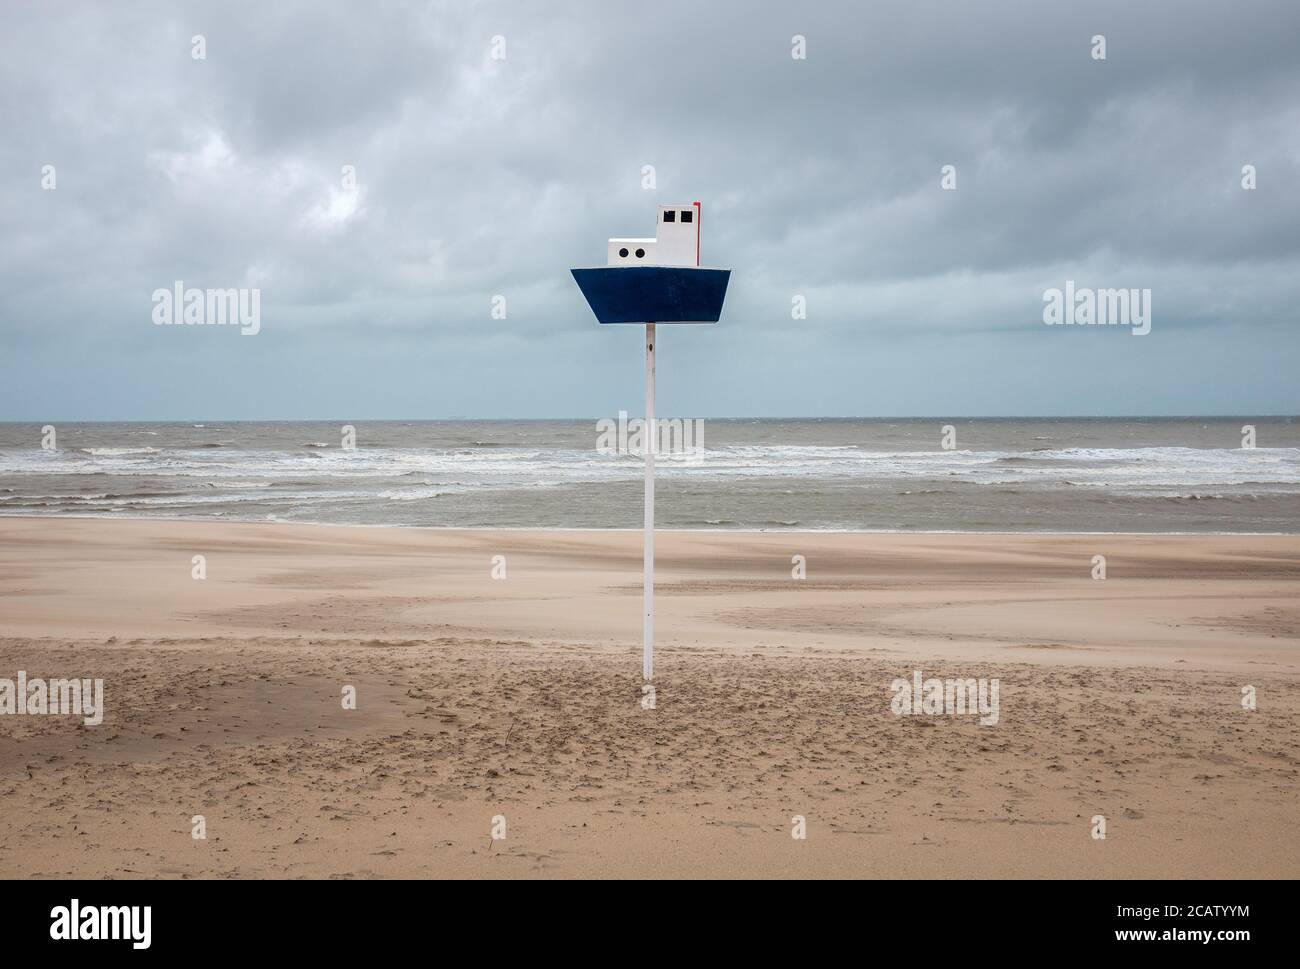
[(715, 417)]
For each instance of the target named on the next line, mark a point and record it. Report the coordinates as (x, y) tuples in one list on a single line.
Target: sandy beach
[(519, 697)]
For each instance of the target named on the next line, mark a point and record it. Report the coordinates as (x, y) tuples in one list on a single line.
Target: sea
[(1158, 475)]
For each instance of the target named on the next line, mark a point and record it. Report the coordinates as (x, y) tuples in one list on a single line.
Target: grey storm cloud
[(476, 176)]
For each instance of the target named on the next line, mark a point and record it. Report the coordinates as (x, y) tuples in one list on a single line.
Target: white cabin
[(676, 241)]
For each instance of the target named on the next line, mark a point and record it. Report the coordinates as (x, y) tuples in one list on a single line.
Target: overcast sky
[(477, 176)]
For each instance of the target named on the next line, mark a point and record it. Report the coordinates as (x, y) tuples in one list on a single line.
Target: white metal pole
[(651, 442)]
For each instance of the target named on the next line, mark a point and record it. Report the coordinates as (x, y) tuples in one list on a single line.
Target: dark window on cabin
[(623, 253), (687, 215), (670, 216), (640, 253)]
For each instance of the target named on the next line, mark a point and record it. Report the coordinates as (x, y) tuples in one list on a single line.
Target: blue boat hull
[(654, 294)]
